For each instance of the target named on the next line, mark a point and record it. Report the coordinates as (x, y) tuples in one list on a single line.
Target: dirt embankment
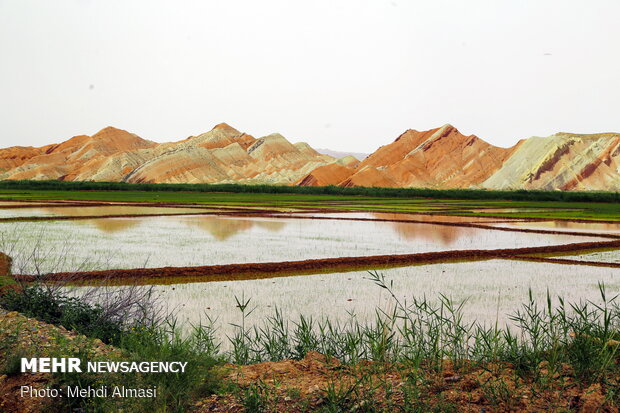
[(318, 382), (238, 271)]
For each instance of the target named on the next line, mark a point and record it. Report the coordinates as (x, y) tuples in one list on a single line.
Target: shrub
[(70, 312)]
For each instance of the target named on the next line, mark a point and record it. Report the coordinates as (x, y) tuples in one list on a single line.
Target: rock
[(444, 158)]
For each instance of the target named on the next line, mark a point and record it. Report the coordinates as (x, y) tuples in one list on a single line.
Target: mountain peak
[(446, 130), (225, 127), (108, 130)]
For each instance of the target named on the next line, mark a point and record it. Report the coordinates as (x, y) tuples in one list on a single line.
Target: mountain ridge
[(437, 158)]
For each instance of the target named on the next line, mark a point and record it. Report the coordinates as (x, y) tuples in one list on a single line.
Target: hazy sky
[(344, 74)]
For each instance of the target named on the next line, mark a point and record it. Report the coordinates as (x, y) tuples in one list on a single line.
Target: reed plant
[(421, 332), (418, 337)]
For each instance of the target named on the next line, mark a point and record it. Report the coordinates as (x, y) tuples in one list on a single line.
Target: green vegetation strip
[(606, 212), (520, 195)]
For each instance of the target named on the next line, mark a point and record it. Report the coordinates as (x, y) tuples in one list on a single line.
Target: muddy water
[(209, 240), (601, 256), (608, 228), (518, 210), (408, 216), (36, 211), (492, 290), (18, 203)]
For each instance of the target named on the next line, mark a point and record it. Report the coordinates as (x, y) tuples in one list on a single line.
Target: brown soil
[(237, 271), (296, 386), (270, 211)]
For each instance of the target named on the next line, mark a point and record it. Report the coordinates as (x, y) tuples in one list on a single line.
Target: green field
[(517, 195), (558, 210)]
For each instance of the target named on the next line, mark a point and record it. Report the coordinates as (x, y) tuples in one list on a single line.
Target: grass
[(69, 312), (416, 341), (548, 352)]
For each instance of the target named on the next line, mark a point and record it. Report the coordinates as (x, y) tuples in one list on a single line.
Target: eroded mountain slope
[(444, 158), (437, 158), (562, 161), (221, 155)]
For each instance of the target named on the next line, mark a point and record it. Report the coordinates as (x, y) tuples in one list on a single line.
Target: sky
[(341, 74)]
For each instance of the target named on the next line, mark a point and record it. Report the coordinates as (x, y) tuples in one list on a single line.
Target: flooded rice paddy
[(601, 256), (488, 296), (153, 242), (405, 217), (566, 226), (492, 289), (81, 211)]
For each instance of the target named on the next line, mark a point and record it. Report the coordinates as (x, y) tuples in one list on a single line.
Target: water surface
[(492, 290), (107, 243), (80, 211)]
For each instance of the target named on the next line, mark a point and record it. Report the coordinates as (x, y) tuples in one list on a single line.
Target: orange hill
[(437, 158)]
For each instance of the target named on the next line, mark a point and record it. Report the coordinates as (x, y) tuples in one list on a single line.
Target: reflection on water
[(599, 256), (223, 228), (444, 234), (522, 210), (22, 204), (212, 240), (408, 216), (566, 225), (110, 225)]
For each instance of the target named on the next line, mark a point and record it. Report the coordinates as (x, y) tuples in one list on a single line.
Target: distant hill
[(437, 158), (360, 156)]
